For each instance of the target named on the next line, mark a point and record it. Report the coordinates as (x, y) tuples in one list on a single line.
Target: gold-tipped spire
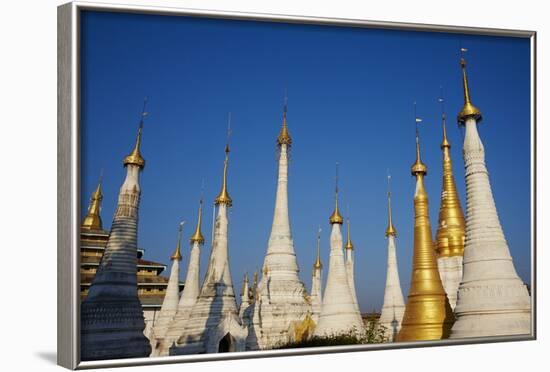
[(318, 265), (284, 136), (349, 244), (418, 168), (450, 234), (135, 157), (336, 217), (468, 110), (92, 221), (445, 144), (223, 197), (390, 230), (428, 315), (177, 252), (197, 235)]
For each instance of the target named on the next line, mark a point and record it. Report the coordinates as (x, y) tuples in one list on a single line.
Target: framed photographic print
[(235, 185)]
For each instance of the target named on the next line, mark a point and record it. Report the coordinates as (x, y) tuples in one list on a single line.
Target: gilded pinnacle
[(318, 265), (135, 157), (336, 217), (349, 244), (92, 221), (177, 251), (390, 230), (418, 168), (468, 110), (284, 136), (197, 235), (223, 197), (445, 144)]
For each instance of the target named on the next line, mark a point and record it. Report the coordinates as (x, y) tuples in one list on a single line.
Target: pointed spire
[(197, 235), (92, 221), (418, 168), (284, 136), (390, 230), (244, 288), (445, 144), (468, 110), (223, 197), (318, 265), (177, 252), (451, 227), (135, 157), (349, 244), (336, 217), (428, 315)]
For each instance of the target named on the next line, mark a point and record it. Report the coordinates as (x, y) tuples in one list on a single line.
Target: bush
[(373, 334)]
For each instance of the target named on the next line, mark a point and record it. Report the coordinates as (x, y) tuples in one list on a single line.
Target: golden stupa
[(451, 227), (428, 315)]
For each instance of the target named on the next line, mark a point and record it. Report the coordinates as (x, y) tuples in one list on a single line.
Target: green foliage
[(374, 333)]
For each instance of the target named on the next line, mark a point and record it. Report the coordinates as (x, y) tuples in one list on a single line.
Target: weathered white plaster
[(112, 322), (394, 304), (339, 314), (316, 294), (187, 300), (283, 298), (215, 315), (492, 299), (244, 307), (450, 270), (167, 311), (350, 270)]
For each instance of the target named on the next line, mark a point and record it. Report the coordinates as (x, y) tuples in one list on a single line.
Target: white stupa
[(190, 291), (492, 299), (170, 303), (213, 325), (112, 320), (316, 283), (339, 313), (394, 305), (350, 267), (244, 307), (282, 301)]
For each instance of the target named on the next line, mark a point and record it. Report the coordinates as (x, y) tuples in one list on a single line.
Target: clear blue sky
[(350, 94)]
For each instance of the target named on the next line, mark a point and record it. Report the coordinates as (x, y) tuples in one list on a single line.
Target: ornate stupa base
[(279, 319), (117, 330), (210, 329), (500, 309)]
